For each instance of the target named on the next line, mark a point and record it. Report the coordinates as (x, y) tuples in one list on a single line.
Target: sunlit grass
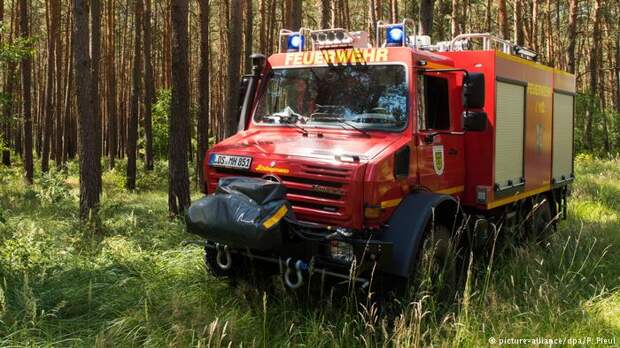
[(126, 280)]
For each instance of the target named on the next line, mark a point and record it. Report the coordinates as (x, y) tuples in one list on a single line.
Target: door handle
[(452, 151)]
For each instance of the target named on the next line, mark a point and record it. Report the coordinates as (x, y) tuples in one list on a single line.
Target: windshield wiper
[(302, 129), (343, 121), (292, 120)]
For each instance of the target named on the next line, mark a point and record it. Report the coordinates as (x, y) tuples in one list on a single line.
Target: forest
[(107, 108), (118, 72)]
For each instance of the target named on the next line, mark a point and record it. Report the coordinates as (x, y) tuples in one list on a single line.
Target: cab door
[(440, 136)]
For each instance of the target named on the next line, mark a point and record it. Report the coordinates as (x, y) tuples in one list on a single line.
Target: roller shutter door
[(563, 105), (509, 126)]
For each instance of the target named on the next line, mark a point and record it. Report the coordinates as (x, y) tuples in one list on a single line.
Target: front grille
[(316, 191)]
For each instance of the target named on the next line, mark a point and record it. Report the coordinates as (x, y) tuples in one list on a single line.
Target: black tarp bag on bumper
[(242, 212)]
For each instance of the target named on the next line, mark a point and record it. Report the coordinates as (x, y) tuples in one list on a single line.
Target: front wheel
[(439, 265)]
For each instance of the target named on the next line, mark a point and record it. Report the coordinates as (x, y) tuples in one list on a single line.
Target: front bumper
[(305, 251)]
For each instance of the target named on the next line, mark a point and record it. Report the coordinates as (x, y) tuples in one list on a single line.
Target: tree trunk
[(549, 35), (502, 18), (95, 51), (111, 86), (5, 112), (26, 70), (394, 10), (234, 51), (67, 135), (603, 106), (464, 17), (454, 20), (488, 15), (593, 67), (295, 14), (49, 112), (518, 23), (534, 26), (426, 16), (263, 6), (617, 77), (178, 121), (249, 28), (572, 35), (202, 130), (134, 102), (90, 168), (372, 15), (59, 88), (325, 6), (149, 87)]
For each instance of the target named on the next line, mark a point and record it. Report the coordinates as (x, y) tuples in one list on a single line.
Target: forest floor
[(130, 282)]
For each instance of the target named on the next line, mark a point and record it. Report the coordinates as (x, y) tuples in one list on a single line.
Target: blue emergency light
[(395, 34), (295, 42)]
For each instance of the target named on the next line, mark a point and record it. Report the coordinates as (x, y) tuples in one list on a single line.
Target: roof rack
[(489, 41), (342, 38)]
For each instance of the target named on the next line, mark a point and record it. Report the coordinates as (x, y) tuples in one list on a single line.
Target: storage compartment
[(509, 132), (563, 110)]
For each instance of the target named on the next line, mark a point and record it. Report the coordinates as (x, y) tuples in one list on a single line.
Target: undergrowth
[(128, 281)]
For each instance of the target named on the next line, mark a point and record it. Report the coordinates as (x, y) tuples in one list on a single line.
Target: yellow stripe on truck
[(275, 218), (391, 203)]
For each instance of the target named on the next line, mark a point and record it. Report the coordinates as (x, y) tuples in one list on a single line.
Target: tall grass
[(127, 281)]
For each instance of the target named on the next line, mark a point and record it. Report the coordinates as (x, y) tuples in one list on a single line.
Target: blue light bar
[(395, 34), (295, 42)]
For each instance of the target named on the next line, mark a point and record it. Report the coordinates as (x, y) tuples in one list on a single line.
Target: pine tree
[(178, 120)]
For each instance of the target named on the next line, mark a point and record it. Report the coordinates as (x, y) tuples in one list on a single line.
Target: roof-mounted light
[(337, 38), (395, 35), (295, 42)]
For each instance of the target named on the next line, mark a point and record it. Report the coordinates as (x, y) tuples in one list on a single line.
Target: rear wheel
[(542, 219)]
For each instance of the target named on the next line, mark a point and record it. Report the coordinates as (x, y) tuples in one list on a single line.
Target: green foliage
[(588, 104), (161, 109), (14, 51), (133, 284), (53, 188), (157, 179)]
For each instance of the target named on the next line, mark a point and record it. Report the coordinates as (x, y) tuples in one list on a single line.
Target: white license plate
[(229, 161)]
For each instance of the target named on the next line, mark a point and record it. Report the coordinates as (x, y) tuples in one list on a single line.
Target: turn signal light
[(372, 212)]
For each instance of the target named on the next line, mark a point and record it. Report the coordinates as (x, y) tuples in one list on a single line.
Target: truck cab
[(375, 147)]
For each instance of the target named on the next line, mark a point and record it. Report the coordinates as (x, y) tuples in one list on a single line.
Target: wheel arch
[(408, 224)]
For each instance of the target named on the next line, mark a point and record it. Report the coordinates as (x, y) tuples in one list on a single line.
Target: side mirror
[(473, 91), (474, 121)]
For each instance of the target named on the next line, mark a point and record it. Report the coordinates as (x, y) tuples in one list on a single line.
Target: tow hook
[(223, 249), (298, 267)]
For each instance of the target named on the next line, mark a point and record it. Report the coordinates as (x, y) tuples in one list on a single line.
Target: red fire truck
[(380, 148)]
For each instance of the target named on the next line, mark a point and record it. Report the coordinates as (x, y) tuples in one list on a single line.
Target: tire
[(438, 270), (542, 224)]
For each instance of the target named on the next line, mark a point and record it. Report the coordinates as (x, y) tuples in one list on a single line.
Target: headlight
[(341, 251)]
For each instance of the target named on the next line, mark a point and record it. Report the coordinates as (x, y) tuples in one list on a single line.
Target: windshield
[(367, 97)]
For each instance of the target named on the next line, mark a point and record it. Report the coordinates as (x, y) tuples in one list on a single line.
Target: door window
[(437, 103)]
